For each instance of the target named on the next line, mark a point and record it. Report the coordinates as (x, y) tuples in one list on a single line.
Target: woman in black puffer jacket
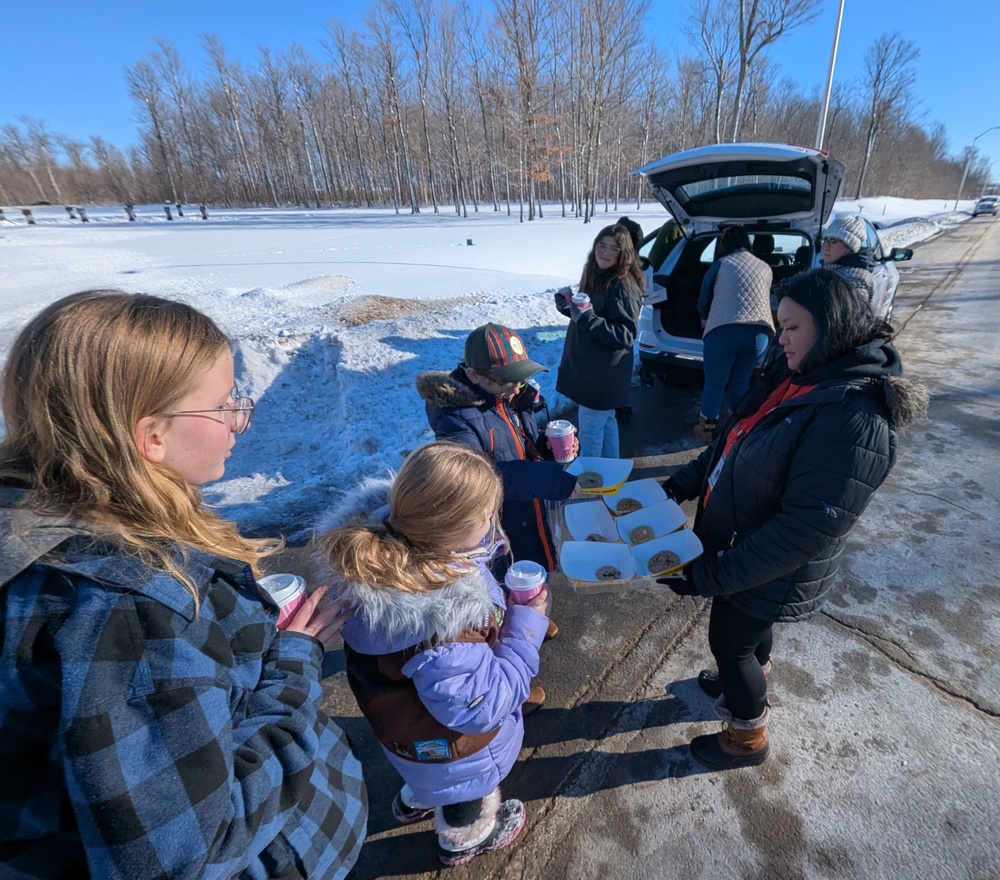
[(781, 488)]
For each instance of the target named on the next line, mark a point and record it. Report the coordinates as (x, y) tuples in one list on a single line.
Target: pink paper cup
[(288, 592), (525, 580), (561, 434)]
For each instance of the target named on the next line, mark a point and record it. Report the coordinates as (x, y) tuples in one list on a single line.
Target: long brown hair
[(594, 280), (77, 381), (443, 490)]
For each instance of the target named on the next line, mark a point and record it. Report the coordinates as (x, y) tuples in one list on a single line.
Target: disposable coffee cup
[(288, 592), (580, 299), (567, 294), (525, 580), (561, 434)]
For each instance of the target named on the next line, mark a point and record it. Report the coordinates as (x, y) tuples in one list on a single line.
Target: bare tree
[(759, 24), (712, 26), (391, 95), (889, 80), (227, 73)]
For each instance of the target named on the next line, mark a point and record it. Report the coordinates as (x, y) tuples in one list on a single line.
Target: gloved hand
[(672, 489), (561, 300), (681, 585), (576, 309)]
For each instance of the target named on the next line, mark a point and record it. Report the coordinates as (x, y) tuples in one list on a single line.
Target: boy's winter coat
[(467, 686), (141, 738), (506, 431)]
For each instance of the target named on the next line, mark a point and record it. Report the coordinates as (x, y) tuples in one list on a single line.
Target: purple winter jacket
[(467, 686)]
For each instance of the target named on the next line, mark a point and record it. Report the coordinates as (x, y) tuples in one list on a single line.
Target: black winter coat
[(596, 366), (507, 433), (792, 489)]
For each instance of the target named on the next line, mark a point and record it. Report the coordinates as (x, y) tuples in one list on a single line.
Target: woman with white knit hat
[(842, 243)]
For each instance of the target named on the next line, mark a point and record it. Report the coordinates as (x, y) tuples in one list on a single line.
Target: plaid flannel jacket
[(140, 739)]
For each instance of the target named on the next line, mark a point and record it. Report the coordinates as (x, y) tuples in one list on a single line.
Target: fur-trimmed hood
[(388, 619), (907, 401), (449, 390)]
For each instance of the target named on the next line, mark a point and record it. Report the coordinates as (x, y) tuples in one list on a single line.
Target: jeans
[(598, 433), (741, 645), (731, 352)]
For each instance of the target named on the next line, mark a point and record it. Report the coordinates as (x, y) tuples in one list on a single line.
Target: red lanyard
[(785, 391)]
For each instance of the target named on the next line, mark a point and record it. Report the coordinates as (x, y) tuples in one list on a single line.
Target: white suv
[(782, 194)]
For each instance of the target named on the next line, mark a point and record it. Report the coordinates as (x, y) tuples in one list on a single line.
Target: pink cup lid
[(525, 575)]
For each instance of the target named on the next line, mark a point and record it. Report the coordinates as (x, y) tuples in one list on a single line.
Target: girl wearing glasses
[(596, 367), (439, 665), (144, 687)]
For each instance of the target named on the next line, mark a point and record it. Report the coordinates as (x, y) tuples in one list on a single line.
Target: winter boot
[(741, 744), (536, 698), (705, 429), (497, 825), (407, 809), (552, 631), (711, 684)]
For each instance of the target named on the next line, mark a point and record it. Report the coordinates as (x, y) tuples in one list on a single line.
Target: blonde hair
[(441, 492), (77, 381)]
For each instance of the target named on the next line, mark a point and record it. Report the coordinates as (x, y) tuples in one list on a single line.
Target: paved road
[(884, 726)]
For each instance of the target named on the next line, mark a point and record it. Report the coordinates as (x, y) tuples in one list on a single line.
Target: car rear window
[(746, 195)]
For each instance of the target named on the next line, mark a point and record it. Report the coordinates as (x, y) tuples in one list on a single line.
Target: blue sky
[(62, 60)]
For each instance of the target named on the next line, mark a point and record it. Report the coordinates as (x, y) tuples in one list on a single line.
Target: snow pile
[(333, 314)]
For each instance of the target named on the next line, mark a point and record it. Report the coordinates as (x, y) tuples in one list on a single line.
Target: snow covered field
[(334, 312)]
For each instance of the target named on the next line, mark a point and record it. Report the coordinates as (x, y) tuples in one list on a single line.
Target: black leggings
[(741, 645)]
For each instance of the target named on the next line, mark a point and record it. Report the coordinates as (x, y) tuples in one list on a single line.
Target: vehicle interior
[(787, 253)]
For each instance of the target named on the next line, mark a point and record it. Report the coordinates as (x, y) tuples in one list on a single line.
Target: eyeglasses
[(493, 543), (503, 387), (607, 248), (830, 240), (236, 413)]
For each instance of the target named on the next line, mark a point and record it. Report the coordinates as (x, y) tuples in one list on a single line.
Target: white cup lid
[(282, 587), (525, 575), (559, 428)]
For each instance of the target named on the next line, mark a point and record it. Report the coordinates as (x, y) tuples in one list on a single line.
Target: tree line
[(507, 107)]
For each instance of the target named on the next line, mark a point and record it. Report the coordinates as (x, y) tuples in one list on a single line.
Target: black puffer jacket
[(791, 490)]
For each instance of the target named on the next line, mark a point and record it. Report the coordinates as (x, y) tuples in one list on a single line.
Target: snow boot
[(497, 825), (406, 809), (711, 684), (705, 429), (552, 631), (535, 701), (743, 743)]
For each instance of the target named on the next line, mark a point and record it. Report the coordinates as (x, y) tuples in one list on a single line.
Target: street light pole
[(968, 162), (989, 174), (821, 131)]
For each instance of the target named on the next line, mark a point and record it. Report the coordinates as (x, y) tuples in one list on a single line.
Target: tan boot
[(704, 430), (536, 698), (552, 631), (732, 748)]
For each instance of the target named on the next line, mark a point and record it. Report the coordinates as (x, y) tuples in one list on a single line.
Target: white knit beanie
[(850, 229)]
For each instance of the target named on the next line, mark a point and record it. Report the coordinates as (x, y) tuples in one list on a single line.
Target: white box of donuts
[(621, 534)]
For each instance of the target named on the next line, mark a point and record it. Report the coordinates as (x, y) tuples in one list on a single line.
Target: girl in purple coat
[(438, 664)]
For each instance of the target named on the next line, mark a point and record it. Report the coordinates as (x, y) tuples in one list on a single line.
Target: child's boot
[(535, 701), (407, 809), (496, 825)]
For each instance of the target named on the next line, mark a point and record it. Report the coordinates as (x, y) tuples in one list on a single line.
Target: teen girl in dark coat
[(596, 367), (781, 488)]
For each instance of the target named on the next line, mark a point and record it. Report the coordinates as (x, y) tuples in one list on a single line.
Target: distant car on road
[(782, 194), (986, 205)]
